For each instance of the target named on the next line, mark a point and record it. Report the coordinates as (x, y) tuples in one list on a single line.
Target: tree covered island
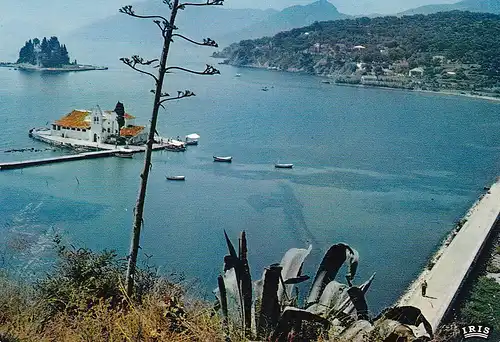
[(47, 54), (448, 51)]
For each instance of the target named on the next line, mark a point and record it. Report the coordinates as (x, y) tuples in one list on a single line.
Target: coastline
[(333, 82), (447, 93), (448, 270), (66, 68)]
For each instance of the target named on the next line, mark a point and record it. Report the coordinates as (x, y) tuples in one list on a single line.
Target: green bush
[(81, 278), (483, 307)]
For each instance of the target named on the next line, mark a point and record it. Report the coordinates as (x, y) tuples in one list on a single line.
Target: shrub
[(81, 278), (483, 307)]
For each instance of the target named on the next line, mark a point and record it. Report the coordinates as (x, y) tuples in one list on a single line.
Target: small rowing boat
[(176, 178), (124, 154), (283, 166), (223, 159)]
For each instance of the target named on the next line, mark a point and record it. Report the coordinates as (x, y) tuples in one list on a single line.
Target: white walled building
[(98, 126)]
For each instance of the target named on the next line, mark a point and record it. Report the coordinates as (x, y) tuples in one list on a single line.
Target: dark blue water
[(388, 172)]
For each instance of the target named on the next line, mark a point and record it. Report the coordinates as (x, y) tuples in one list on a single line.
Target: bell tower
[(96, 125)]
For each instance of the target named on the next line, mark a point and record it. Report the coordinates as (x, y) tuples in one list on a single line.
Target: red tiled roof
[(131, 131), (75, 119)]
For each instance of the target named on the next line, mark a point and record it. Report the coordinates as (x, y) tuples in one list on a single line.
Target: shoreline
[(477, 220), (67, 68), (447, 93), (333, 82)]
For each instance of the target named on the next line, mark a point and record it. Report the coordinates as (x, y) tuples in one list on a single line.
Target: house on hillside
[(416, 72), (99, 126)]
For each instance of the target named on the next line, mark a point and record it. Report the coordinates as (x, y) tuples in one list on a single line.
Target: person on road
[(424, 288)]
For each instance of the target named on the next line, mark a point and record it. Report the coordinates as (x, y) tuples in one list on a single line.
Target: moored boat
[(124, 154), (283, 166), (223, 159), (176, 178), (192, 139)]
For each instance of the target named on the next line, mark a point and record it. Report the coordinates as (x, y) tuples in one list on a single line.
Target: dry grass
[(160, 317)]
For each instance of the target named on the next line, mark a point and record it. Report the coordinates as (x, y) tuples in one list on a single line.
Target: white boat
[(237, 75), (223, 159), (192, 139), (176, 178), (283, 166), (124, 154)]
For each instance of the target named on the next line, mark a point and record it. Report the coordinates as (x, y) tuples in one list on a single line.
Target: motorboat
[(176, 178), (265, 89), (283, 166), (124, 154), (223, 159), (175, 146), (237, 75), (192, 139)]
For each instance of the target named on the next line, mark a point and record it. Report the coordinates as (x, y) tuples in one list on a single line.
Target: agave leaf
[(328, 269), (366, 285), (268, 310), (292, 318), (352, 257), (358, 300), (222, 296), (292, 263), (230, 246), (408, 315), (245, 284), (297, 280), (232, 296), (349, 306), (332, 298)]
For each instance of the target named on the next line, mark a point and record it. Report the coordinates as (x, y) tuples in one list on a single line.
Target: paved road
[(445, 278)]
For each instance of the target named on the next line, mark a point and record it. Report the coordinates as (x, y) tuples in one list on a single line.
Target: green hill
[(450, 46)]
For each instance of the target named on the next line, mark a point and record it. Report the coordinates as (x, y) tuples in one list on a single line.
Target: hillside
[(486, 6), (451, 50)]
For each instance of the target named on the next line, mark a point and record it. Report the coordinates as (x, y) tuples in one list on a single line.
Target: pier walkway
[(455, 261), (58, 159), (103, 150)]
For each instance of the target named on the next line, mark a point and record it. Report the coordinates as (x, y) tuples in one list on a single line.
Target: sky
[(24, 19)]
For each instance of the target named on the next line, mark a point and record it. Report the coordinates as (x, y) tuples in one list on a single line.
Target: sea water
[(388, 172)]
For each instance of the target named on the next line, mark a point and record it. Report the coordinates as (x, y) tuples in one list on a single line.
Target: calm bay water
[(388, 172)]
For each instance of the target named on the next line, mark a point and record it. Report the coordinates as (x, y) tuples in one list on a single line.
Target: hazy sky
[(22, 19)]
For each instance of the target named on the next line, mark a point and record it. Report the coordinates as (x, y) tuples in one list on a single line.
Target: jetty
[(59, 159), (454, 262)]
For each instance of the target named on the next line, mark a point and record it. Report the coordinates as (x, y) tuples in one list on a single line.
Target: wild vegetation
[(48, 53), (83, 299), (452, 50)]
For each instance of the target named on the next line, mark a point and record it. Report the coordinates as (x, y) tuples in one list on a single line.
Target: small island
[(47, 55)]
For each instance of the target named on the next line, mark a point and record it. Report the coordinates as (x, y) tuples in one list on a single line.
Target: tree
[(137, 63)]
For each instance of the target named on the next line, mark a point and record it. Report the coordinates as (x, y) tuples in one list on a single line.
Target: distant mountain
[(289, 18), (196, 22), (487, 6), (223, 25)]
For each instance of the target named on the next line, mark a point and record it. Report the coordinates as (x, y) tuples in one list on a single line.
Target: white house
[(98, 126), (416, 72)]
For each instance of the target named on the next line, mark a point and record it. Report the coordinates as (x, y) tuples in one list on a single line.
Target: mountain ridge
[(487, 6)]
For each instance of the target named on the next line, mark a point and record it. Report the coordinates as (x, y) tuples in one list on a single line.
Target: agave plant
[(269, 308)]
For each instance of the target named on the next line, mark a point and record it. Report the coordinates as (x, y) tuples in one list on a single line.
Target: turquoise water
[(388, 172)]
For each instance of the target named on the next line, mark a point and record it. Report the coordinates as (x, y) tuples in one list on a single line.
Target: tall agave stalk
[(139, 64)]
